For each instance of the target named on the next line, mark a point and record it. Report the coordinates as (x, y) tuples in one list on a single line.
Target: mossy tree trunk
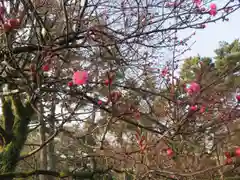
[(14, 130)]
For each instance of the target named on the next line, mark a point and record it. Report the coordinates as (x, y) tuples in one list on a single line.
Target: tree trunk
[(51, 121), (43, 152), (51, 147), (10, 154)]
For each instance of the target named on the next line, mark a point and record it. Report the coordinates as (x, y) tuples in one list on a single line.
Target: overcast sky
[(208, 39)]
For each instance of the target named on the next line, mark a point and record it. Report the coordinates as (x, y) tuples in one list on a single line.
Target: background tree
[(222, 77)]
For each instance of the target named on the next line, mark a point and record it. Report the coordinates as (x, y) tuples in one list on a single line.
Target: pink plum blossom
[(213, 12), (213, 6), (213, 9), (80, 77), (197, 2), (193, 88)]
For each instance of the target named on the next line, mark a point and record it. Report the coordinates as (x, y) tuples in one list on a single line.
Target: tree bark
[(43, 152), (11, 151)]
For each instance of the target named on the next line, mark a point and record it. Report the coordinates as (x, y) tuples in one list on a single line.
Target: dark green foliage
[(188, 68), (223, 72), (196, 66), (228, 61), (228, 56)]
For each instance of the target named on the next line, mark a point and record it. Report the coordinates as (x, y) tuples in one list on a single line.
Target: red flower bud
[(108, 82), (45, 67), (237, 152), (228, 161), (170, 152), (14, 23), (238, 98), (70, 84)]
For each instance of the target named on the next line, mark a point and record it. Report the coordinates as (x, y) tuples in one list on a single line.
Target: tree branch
[(82, 175)]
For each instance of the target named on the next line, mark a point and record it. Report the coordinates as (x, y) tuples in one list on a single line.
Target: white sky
[(207, 39)]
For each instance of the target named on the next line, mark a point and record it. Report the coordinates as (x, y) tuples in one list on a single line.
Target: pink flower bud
[(213, 12)]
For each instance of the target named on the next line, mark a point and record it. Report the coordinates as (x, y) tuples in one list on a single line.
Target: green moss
[(62, 174), (20, 115)]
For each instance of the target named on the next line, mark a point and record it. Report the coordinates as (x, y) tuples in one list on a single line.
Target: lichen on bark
[(15, 120)]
